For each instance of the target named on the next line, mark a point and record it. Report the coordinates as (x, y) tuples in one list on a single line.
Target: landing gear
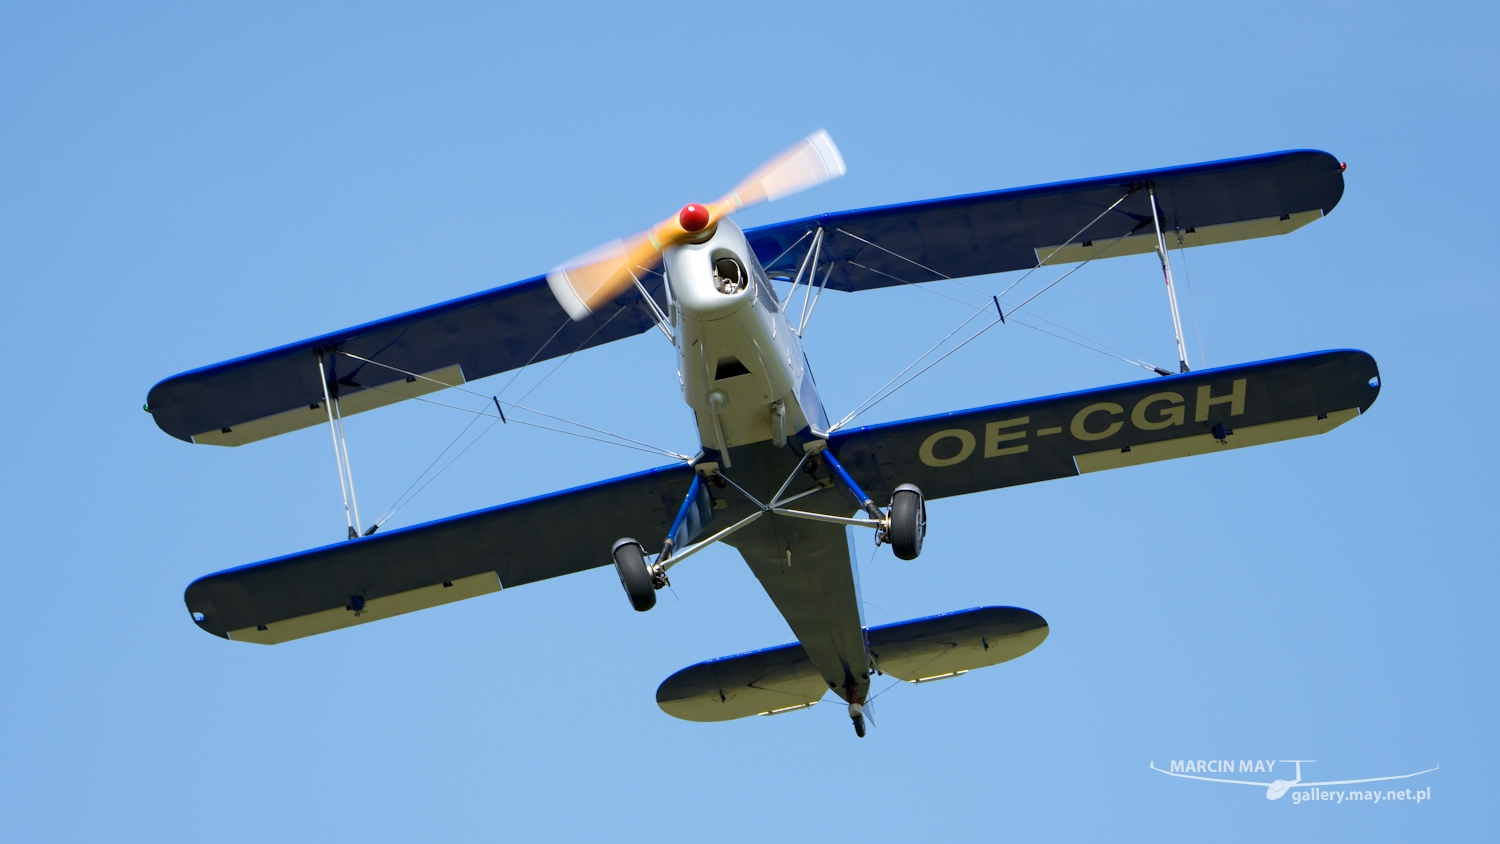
[(635, 575), (908, 522), (857, 715)]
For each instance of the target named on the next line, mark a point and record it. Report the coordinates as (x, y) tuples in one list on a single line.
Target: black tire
[(908, 522), (635, 576), (859, 725)]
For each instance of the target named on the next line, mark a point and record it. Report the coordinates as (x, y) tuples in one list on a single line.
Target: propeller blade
[(590, 280), (810, 162), (586, 282)]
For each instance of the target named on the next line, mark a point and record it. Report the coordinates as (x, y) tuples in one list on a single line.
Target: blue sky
[(183, 184)]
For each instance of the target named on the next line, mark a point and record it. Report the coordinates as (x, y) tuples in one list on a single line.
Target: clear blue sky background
[(180, 184)]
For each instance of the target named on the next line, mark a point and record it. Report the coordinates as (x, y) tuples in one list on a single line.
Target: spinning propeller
[(590, 280)]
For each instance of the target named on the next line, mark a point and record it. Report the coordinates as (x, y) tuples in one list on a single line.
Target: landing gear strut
[(904, 526)]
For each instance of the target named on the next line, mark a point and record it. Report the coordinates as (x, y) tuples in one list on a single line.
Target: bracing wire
[(638, 446), (772, 262), (919, 374), (1058, 280), (1142, 364), (1076, 235), (866, 404), (1097, 346), (397, 504), (1103, 348), (496, 419), (882, 394), (516, 406), (408, 495), (1192, 303)]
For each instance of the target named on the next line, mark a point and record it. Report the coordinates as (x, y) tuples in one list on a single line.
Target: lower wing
[(951, 454), (1108, 428)]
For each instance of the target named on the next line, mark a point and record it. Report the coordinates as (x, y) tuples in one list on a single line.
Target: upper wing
[(1000, 231), (435, 563), (279, 390), (1159, 419)]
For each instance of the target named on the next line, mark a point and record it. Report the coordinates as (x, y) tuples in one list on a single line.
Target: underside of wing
[(1202, 412), (1018, 229), (283, 389), (435, 563)]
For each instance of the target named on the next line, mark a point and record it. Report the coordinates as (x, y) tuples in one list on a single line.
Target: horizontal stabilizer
[(782, 679)]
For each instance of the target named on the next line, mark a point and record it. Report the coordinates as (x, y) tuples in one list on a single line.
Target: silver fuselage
[(740, 363)]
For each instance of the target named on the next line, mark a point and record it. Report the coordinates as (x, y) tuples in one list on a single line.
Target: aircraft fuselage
[(740, 363)]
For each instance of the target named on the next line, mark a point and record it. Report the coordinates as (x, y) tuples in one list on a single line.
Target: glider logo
[(1098, 421), (1302, 792)]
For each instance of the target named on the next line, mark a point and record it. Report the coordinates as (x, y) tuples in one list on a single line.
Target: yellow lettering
[(1170, 416), (1083, 433), (1206, 400), (965, 447), (993, 436)]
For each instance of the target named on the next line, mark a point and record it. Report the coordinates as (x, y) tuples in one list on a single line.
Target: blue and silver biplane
[(773, 477)]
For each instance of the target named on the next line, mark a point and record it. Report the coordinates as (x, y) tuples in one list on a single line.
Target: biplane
[(772, 476)]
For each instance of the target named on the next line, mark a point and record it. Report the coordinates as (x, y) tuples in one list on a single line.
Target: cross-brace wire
[(1076, 235), (1192, 303), (514, 406), (408, 495), (1097, 346), (881, 394)]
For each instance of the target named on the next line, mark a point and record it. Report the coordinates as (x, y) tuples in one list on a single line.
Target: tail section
[(782, 679)]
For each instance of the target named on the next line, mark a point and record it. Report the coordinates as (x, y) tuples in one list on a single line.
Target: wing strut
[(1166, 271), (340, 454)]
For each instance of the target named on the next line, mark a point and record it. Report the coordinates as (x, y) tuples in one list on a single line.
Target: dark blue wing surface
[(1001, 231), (1199, 412), (435, 563), (279, 390)]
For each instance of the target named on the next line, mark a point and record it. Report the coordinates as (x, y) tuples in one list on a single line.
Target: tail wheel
[(908, 521), (635, 575)]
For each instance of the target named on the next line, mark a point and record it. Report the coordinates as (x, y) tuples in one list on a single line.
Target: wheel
[(908, 521), (859, 725), (635, 575)]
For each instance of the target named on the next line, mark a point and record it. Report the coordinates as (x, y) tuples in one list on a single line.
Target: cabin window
[(729, 275)]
